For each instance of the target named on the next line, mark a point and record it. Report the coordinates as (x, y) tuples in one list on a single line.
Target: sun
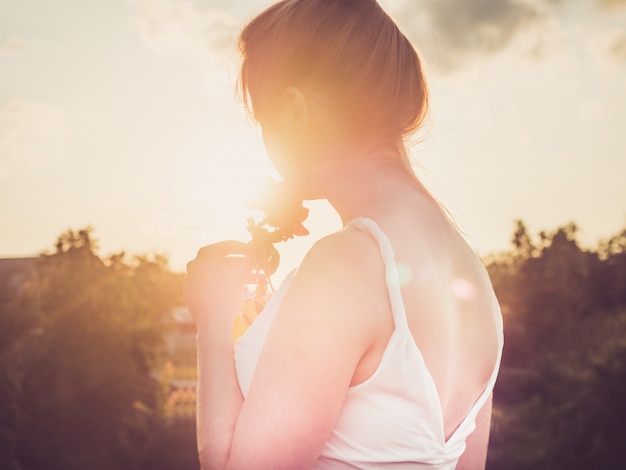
[(215, 183)]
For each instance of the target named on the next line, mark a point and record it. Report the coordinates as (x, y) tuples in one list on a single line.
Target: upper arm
[(475, 455), (325, 323)]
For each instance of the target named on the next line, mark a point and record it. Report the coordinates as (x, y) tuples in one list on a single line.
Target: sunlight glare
[(216, 181), (462, 289)]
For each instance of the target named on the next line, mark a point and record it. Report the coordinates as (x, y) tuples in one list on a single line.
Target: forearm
[(219, 397), (475, 455)]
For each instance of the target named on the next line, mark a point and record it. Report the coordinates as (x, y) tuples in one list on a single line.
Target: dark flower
[(284, 210), (284, 213)]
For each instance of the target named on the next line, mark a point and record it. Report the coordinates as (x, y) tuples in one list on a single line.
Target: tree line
[(559, 400), (78, 348), (82, 337)]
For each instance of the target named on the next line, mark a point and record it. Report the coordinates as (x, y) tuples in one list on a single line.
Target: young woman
[(382, 350)]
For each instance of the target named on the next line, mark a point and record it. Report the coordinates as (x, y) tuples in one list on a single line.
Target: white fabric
[(394, 418)]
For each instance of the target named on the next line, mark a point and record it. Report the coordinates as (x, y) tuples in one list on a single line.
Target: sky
[(122, 115)]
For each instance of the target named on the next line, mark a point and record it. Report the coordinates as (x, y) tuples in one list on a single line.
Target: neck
[(358, 179)]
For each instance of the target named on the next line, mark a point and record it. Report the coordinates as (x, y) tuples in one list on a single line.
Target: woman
[(382, 350)]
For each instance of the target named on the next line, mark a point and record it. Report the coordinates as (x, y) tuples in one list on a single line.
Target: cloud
[(180, 27), (33, 135), (12, 47), (617, 48), (484, 25), (611, 4), (451, 31)]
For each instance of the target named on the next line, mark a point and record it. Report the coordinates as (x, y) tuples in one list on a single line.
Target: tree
[(75, 375), (557, 402)]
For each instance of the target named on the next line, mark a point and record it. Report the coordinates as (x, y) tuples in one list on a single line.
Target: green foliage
[(558, 403), (77, 349)]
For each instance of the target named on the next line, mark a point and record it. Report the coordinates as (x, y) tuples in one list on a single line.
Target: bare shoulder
[(338, 294), (343, 272), (344, 249)]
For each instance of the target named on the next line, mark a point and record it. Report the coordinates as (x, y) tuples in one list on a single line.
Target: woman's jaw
[(350, 176)]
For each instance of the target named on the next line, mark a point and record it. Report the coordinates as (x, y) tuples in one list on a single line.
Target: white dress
[(393, 419)]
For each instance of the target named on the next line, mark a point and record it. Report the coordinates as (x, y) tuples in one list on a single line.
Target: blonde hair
[(349, 50)]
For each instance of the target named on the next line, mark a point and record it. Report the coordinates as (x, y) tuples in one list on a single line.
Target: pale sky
[(122, 115)]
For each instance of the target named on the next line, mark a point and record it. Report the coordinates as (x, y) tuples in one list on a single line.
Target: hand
[(215, 282)]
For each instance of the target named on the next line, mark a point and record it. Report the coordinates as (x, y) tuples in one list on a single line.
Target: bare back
[(448, 300)]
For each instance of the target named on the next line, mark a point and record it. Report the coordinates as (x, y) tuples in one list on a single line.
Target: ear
[(297, 107)]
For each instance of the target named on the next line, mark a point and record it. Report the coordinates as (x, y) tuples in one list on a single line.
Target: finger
[(210, 262), (225, 248)]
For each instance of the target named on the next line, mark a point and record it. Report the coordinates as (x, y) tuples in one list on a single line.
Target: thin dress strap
[(392, 276)]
